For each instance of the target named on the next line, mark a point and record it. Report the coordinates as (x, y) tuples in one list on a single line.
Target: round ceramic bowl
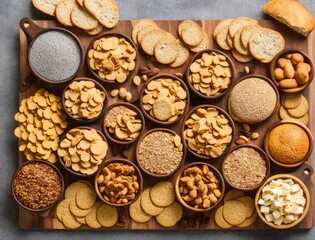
[(300, 177), (40, 210), (104, 168), (111, 136), (178, 185), (105, 35), (183, 128), (307, 131), (62, 161), (152, 174), (84, 120), (274, 65), (261, 152), (147, 114), (188, 74)]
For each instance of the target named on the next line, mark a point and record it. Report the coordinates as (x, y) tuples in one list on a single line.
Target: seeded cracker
[(234, 212)]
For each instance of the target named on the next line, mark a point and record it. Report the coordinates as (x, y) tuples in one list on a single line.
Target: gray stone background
[(11, 11)]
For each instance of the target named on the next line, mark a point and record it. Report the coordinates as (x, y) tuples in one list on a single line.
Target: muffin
[(288, 143)]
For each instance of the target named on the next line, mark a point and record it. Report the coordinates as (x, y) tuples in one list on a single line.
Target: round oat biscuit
[(163, 194), (147, 205), (76, 211), (219, 220), (292, 100), (283, 113), (107, 215), (303, 119), (162, 108), (68, 220), (137, 213), (90, 219), (73, 189), (170, 215), (233, 194), (249, 205), (80, 220), (234, 212), (85, 198), (249, 221), (62, 207), (301, 110)]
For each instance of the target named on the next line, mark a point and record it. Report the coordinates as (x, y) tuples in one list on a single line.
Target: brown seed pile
[(37, 185), (160, 152), (245, 167)]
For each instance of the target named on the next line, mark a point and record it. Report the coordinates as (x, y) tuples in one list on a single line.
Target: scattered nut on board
[(136, 80)]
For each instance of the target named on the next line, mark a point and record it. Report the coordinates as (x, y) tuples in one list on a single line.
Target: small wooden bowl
[(72, 172), (84, 120), (273, 66), (48, 208), (216, 173), (155, 174), (110, 34), (307, 131), (221, 111), (197, 56), (124, 161), (133, 108), (300, 176), (147, 115), (261, 152)]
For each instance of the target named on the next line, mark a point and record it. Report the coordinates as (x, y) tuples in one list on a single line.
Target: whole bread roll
[(293, 14)]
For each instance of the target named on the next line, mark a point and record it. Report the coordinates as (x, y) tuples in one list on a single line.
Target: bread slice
[(229, 41), (46, 6), (105, 11), (166, 50), (63, 12), (83, 19), (293, 14), (240, 57), (203, 45), (96, 30), (247, 32), (143, 31), (238, 45), (192, 34), (183, 24), (221, 38), (183, 54), (265, 44), (139, 25), (80, 2), (222, 24), (150, 39), (240, 22)]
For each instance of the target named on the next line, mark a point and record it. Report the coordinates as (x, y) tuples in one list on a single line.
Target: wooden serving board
[(33, 221)]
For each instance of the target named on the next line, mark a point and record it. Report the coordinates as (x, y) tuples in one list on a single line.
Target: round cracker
[(68, 219), (247, 32), (203, 45), (301, 110), (137, 213), (292, 100), (80, 220), (139, 25), (85, 198), (150, 39), (166, 50), (62, 208), (221, 38), (240, 57), (249, 221), (170, 215), (234, 212), (76, 211), (73, 189), (90, 219), (238, 45), (303, 119), (229, 41), (192, 34), (162, 109), (143, 31), (283, 113), (183, 54), (240, 22), (233, 194), (249, 205), (162, 194), (184, 24), (147, 205), (107, 215), (222, 24), (219, 220)]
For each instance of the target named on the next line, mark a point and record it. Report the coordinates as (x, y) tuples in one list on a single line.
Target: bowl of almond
[(112, 57), (210, 74)]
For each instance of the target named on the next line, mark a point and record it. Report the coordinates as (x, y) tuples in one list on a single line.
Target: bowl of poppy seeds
[(55, 55)]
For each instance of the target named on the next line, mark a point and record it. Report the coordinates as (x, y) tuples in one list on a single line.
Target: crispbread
[(63, 12), (247, 32), (170, 215), (142, 23), (147, 205), (83, 19), (166, 50), (105, 11), (219, 220), (192, 34), (85, 198), (150, 39), (143, 31), (183, 54), (203, 45), (96, 30), (240, 22), (162, 194), (222, 24), (221, 38), (240, 57), (46, 6), (238, 45)]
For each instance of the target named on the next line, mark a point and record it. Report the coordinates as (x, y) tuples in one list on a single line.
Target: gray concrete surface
[(11, 11)]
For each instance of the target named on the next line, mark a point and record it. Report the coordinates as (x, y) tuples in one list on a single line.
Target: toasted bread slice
[(222, 24), (142, 23), (183, 54), (150, 39), (247, 32), (229, 41), (83, 19), (46, 6), (221, 38), (238, 45), (240, 22), (203, 45), (96, 30), (63, 12), (143, 31), (191, 34), (241, 58), (166, 50)]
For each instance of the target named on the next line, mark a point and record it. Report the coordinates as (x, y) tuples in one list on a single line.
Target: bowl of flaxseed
[(160, 152)]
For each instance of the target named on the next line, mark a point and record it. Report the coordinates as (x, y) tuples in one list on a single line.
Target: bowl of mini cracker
[(210, 74), (164, 99), (291, 70), (208, 131), (81, 150), (160, 152), (112, 57), (37, 186), (84, 100), (245, 167), (123, 123), (118, 182), (199, 187)]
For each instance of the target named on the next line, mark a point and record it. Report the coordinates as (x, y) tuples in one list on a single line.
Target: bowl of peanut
[(291, 70), (199, 187), (118, 182)]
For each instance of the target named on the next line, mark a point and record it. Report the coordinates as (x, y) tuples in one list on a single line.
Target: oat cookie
[(220, 221), (162, 108), (85, 198), (301, 110), (292, 100), (68, 219), (234, 212), (147, 204), (233, 194), (80, 220), (76, 211), (136, 212), (163, 194), (170, 215), (62, 207), (249, 221), (107, 215), (73, 189), (249, 205), (90, 219)]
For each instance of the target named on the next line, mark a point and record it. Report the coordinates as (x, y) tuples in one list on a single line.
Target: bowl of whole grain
[(253, 99), (37, 186), (245, 167), (112, 58), (208, 131), (118, 182), (210, 74), (160, 152), (291, 70), (199, 187)]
